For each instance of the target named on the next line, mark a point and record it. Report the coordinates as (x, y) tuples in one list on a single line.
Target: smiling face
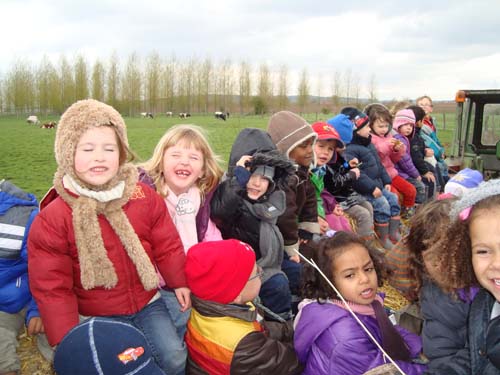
[(324, 151), (182, 167), (355, 276), (257, 186), (406, 129), (303, 153), (484, 231), (97, 156)]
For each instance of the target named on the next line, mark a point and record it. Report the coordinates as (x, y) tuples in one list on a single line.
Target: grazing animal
[(147, 115), (33, 120), (220, 115), (169, 114), (184, 115), (49, 125)]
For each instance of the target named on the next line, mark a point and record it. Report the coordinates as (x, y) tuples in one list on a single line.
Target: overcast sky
[(411, 48)]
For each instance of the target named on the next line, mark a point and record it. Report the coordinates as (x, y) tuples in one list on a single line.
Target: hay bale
[(32, 362)]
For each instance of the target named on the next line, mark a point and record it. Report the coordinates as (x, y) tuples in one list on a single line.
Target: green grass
[(27, 152)]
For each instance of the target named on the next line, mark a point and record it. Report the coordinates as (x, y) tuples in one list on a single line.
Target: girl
[(93, 250), (471, 257), (184, 171), (390, 150), (328, 340)]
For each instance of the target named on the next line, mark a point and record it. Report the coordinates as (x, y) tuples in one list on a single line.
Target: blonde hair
[(420, 98), (396, 107), (194, 136)]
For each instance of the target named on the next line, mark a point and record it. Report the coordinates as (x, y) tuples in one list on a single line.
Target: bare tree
[(245, 87), (98, 79), (152, 89), (303, 91), (168, 83), (336, 90), (283, 88), (372, 89), (42, 83), (19, 88), (81, 78), (264, 88), (67, 83), (356, 89), (131, 85), (348, 85), (113, 81)]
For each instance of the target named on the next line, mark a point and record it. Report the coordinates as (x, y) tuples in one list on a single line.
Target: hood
[(11, 195), (248, 142)]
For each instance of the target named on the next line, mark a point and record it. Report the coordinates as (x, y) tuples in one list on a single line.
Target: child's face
[(303, 153), (426, 105), (257, 186), (252, 287), (324, 151), (484, 231), (405, 129), (380, 127), (364, 131), (355, 275), (182, 167), (97, 156)]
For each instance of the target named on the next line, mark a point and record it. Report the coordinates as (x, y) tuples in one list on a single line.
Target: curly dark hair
[(427, 232), (314, 286), (283, 167), (456, 258)]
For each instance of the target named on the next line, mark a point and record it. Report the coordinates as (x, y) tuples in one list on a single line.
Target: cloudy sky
[(410, 48)]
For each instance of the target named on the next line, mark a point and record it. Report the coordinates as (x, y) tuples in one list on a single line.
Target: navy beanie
[(343, 125)]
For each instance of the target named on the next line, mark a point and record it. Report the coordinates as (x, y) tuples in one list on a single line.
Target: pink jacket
[(386, 153)]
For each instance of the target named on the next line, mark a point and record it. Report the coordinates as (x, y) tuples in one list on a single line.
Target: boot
[(382, 231), (394, 234)]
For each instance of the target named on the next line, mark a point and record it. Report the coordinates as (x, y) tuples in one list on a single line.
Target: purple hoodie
[(328, 340)]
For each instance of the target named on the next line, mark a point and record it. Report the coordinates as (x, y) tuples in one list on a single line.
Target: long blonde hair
[(194, 136)]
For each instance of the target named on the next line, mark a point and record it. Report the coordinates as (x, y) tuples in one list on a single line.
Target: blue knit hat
[(344, 126)]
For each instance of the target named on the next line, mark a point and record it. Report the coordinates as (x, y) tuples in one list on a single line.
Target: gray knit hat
[(288, 130), (471, 197)]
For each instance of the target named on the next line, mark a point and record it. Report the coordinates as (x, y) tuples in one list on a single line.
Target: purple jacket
[(328, 340), (405, 166)]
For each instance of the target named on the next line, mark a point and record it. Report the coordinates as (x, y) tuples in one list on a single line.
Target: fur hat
[(403, 117), (463, 181), (78, 118), (105, 346), (327, 132), (288, 130), (283, 168), (344, 127), (219, 270)]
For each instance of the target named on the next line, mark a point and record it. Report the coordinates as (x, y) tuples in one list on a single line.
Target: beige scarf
[(95, 267)]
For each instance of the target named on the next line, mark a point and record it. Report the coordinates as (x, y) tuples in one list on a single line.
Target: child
[(246, 206), (328, 340), (17, 306), (330, 214), (404, 125), (374, 183), (340, 176), (93, 250), (390, 150), (294, 138), (470, 257), (185, 172), (223, 334)]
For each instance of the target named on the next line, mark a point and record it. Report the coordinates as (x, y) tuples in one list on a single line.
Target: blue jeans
[(385, 206), (421, 190), (179, 318), (154, 322), (276, 296)]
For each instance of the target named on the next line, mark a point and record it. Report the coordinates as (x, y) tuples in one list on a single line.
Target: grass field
[(27, 152)]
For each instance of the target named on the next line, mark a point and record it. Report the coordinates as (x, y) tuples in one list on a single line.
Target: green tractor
[(476, 143)]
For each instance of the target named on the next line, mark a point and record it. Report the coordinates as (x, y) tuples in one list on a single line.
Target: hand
[(35, 326), (429, 152), (377, 193), (243, 160), (387, 187), (323, 225), (356, 172), (419, 178), (430, 176), (295, 258), (353, 162), (396, 144), (338, 211), (184, 297)]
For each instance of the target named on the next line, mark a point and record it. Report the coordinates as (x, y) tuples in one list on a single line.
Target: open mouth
[(182, 173)]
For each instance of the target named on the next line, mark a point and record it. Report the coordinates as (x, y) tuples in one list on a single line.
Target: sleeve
[(338, 178), (32, 307), (288, 223), (308, 216), (258, 354), (225, 202), (168, 251), (364, 185), (417, 156), (397, 155), (50, 269)]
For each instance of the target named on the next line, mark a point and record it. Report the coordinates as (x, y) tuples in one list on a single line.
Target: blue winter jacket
[(17, 211)]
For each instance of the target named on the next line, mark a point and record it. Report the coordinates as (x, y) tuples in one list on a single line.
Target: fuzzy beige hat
[(288, 130), (96, 268)]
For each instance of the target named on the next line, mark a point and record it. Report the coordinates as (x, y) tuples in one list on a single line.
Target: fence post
[(444, 120)]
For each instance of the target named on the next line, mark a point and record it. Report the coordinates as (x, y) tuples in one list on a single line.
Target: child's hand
[(353, 163), (338, 211), (430, 176), (323, 225), (184, 297), (396, 144), (356, 172), (429, 152), (377, 193), (35, 326), (295, 258), (243, 160)]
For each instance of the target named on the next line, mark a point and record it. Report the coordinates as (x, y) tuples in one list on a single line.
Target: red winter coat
[(54, 269)]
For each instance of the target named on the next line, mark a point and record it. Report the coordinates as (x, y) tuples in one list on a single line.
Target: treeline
[(156, 84)]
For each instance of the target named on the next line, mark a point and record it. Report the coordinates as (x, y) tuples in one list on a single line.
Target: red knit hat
[(327, 132), (217, 271)]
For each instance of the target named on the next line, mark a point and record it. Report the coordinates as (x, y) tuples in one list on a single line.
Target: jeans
[(154, 322), (179, 318), (421, 190), (276, 296), (385, 206)]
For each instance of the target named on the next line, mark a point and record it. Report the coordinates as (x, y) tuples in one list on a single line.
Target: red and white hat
[(327, 132)]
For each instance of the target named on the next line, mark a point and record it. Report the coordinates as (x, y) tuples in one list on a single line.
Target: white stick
[(311, 262)]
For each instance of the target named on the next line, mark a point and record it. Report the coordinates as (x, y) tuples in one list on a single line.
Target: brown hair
[(314, 286), (379, 111)]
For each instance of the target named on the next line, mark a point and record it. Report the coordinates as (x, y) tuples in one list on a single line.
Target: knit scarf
[(96, 269)]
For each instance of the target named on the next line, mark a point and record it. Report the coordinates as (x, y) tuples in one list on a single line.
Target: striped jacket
[(227, 339)]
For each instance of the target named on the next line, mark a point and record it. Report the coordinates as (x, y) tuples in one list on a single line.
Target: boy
[(223, 335), (17, 306)]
